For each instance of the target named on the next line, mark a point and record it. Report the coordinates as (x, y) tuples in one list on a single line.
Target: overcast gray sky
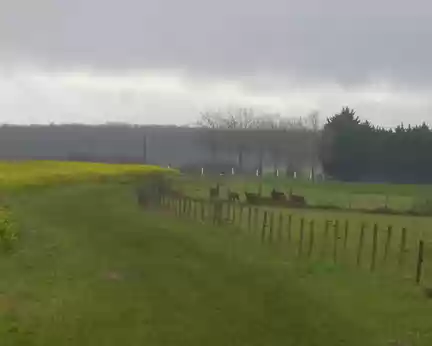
[(160, 61)]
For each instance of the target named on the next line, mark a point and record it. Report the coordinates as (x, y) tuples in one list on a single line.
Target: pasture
[(337, 233), (92, 267), (325, 194)]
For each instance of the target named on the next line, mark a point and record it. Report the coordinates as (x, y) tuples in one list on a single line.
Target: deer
[(297, 199), (277, 195), (214, 191), (233, 196), (252, 198)]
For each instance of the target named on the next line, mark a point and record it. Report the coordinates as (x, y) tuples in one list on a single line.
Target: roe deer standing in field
[(252, 198), (233, 196), (277, 195), (214, 191), (297, 199)]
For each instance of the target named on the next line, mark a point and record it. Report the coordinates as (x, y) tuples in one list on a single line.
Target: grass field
[(92, 268), (324, 247), (342, 195)]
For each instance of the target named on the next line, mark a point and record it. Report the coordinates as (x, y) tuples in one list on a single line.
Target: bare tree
[(228, 129), (232, 118), (315, 138), (242, 129), (211, 120)]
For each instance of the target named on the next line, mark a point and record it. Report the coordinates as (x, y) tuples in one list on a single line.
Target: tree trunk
[(240, 160), (261, 162), (213, 150), (275, 164)]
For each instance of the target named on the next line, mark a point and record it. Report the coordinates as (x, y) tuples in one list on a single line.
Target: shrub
[(152, 188)]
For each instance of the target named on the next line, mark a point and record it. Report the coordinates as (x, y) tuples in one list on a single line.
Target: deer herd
[(256, 198)]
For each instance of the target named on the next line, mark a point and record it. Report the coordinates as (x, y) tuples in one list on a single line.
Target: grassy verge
[(91, 268)]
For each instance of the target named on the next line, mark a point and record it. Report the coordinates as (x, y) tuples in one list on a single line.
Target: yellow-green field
[(18, 174)]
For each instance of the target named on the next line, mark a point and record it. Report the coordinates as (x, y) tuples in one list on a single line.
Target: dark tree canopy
[(355, 150)]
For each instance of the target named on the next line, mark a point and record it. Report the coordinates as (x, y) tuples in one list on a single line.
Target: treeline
[(290, 144), (355, 150)]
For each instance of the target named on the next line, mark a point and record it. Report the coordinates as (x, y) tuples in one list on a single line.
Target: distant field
[(21, 174), (342, 195)]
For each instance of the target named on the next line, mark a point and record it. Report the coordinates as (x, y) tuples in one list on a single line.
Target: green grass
[(418, 228), (343, 195), (92, 269)]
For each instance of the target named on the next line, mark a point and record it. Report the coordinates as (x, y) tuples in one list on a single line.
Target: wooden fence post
[(202, 211), (234, 216), (374, 247), (361, 243), (402, 248), (264, 226), (289, 231), (388, 242), (188, 207), (325, 238), (241, 216), (249, 219), (181, 203), (346, 230), (300, 249), (335, 240), (179, 206), (256, 210), (311, 238), (161, 201), (216, 209), (195, 210), (419, 262), (271, 226), (184, 206), (280, 226)]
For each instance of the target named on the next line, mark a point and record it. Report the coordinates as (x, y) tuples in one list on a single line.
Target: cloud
[(82, 59), (38, 96)]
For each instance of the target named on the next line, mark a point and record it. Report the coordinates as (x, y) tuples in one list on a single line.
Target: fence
[(359, 245)]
